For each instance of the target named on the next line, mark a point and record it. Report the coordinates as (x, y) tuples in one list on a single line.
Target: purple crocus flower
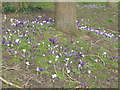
[(79, 53), (13, 30), (10, 50), (36, 45), (23, 55), (116, 57), (65, 60), (82, 84), (16, 43), (3, 27), (78, 56), (38, 40), (115, 67), (67, 55), (51, 39), (54, 41), (10, 42), (3, 41), (71, 42), (70, 55), (47, 20), (65, 50), (41, 69), (33, 46), (81, 63)]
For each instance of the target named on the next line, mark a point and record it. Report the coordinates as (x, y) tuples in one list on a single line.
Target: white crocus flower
[(57, 56), (79, 65), (67, 58), (89, 72), (8, 44), (104, 53), (11, 20), (5, 17), (50, 61), (10, 34), (9, 37), (38, 43), (44, 21), (68, 71), (71, 62), (11, 45), (81, 48), (66, 64), (24, 50), (53, 52), (41, 24), (28, 42), (83, 55), (43, 55), (17, 40), (60, 47), (54, 76), (9, 30), (56, 59), (96, 60), (15, 52), (72, 50), (27, 63), (37, 69), (48, 45)]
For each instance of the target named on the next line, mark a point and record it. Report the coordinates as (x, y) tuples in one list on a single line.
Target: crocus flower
[(50, 62), (82, 84), (54, 76), (65, 50), (3, 27), (79, 53), (10, 50), (27, 63), (81, 63), (65, 60), (15, 52), (89, 72), (116, 57), (115, 67), (24, 50), (68, 71), (71, 42), (37, 69), (41, 69), (104, 53), (3, 41), (23, 55), (78, 57), (56, 59)]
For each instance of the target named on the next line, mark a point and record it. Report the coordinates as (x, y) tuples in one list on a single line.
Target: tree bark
[(65, 17)]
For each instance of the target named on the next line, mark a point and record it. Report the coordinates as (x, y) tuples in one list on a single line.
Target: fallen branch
[(7, 82)]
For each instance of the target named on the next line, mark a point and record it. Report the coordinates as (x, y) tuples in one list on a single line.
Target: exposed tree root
[(7, 82)]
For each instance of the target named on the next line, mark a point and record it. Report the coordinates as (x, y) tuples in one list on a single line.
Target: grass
[(42, 61), (40, 51)]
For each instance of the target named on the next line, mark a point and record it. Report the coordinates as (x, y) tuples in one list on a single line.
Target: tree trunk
[(65, 17)]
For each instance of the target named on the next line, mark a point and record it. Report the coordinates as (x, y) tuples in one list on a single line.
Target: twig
[(11, 68), (7, 82), (92, 44), (61, 77), (28, 81), (98, 57)]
